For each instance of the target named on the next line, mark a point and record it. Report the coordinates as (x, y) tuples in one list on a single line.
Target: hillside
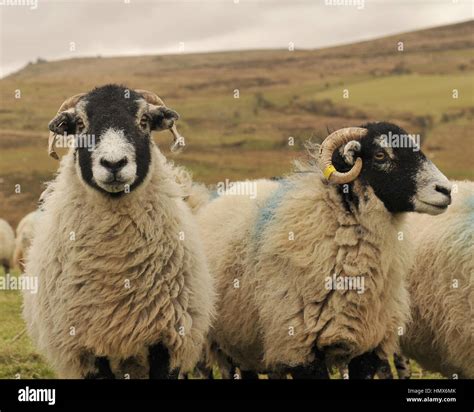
[(282, 93)]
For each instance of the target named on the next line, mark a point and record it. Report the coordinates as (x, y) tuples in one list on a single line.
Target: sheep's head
[(388, 159), (112, 129)]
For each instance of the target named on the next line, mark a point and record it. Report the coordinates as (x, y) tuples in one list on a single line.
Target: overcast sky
[(46, 28)]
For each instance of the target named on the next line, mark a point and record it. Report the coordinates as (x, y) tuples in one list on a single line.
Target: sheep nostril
[(114, 167), (444, 190)]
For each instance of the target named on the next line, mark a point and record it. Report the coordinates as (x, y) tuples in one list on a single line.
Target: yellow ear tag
[(329, 171)]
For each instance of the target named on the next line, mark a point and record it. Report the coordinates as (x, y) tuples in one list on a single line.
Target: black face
[(112, 126), (109, 108), (396, 169)]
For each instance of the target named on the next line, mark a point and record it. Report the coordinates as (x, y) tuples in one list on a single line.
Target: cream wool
[(24, 234), (115, 277), (7, 244), (440, 337), (272, 302)]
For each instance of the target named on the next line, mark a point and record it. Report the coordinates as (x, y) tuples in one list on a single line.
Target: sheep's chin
[(421, 206), (115, 187)]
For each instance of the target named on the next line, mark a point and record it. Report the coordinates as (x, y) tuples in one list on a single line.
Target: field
[(238, 112)]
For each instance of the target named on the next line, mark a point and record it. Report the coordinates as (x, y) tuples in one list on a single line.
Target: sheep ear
[(350, 151), (163, 118), (64, 122)]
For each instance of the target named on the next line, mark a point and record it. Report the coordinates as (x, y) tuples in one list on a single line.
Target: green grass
[(18, 358), (418, 94)]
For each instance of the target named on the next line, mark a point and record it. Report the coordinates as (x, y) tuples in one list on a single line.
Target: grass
[(18, 358), (418, 94)]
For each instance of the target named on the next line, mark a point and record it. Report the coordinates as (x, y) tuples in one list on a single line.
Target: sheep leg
[(364, 366), (384, 371), (317, 369), (205, 371), (6, 266), (103, 369), (159, 360), (403, 366), (248, 374)]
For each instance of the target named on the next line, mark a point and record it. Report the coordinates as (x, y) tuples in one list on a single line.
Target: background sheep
[(123, 284), (7, 245), (24, 235), (272, 256), (439, 337)]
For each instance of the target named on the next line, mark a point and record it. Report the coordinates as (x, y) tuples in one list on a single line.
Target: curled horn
[(67, 104), (152, 98), (333, 142)]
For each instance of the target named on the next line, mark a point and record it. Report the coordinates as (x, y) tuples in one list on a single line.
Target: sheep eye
[(380, 156), (144, 121)]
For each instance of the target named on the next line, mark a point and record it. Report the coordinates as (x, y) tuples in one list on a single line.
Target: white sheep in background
[(124, 288), (7, 245), (274, 256), (440, 335), (24, 235)]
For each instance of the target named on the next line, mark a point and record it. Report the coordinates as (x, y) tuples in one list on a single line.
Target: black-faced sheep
[(124, 289), (309, 273), (440, 335), (7, 245)]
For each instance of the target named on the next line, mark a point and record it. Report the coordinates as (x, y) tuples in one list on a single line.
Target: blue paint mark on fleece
[(214, 195), (470, 219), (267, 212)]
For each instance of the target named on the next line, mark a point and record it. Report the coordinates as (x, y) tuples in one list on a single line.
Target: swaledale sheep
[(7, 245), (279, 259), (124, 288), (440, 336), (24, 235)]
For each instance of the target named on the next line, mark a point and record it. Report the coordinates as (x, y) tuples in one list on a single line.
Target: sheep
[(7, 244), (283, 260), (124, 288), (439, 337), (24, 234), (402, 366)]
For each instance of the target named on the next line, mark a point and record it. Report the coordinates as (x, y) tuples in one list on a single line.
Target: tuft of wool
[(24, 235), (7, 244)]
